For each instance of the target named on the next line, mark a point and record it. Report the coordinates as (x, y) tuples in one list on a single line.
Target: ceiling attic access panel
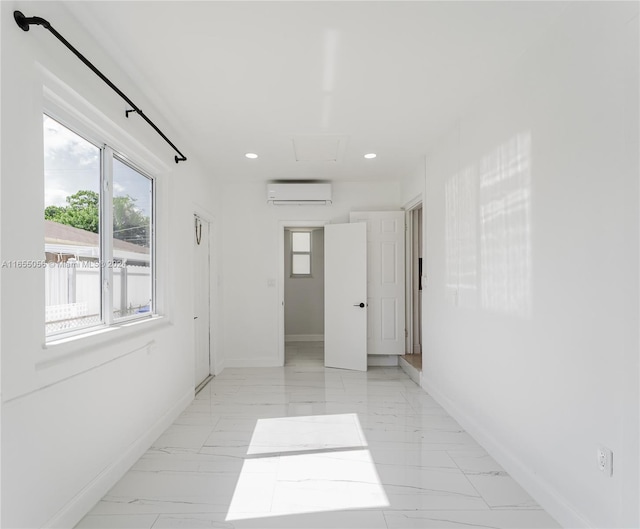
[(319, 147)]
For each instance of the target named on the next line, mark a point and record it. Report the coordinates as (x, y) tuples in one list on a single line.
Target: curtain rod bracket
[(25, 22)]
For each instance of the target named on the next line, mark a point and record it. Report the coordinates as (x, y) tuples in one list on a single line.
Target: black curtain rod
[(24, 24)]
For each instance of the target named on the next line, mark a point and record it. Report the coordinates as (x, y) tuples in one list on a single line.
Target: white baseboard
[(252, 362), (219, 368), (304, 338), (547, 496), (382, 360), (95, 490), (413, 373)]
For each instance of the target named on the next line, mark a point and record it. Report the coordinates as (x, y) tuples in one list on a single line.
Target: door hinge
[(406, 333)]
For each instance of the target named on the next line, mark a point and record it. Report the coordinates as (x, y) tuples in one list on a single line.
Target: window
[(98, 234), (300, 254), (132, 229)]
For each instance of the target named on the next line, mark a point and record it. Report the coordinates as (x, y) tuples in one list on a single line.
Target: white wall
[(251, 261), (413, 184), (75, 415), (304, 296), (531, 301)]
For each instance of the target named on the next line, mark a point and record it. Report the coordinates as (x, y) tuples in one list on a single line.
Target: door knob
[(361, 305)]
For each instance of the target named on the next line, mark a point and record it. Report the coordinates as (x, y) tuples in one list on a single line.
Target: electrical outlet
[(605, 460)]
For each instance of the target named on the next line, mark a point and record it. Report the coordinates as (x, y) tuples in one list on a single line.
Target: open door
[(385, 280), (345, 296)]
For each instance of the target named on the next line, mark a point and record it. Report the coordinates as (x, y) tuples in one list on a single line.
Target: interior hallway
[(304, 446), (304, 354)]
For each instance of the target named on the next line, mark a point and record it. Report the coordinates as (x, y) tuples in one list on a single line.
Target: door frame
[(282, 225), (409, 207), (215, 366)]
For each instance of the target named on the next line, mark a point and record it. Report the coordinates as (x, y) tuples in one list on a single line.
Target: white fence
[(67, 311), (72, 294)]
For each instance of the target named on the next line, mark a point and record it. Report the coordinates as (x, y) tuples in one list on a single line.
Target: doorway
[(202, 301), (414, 261), (303, 296)]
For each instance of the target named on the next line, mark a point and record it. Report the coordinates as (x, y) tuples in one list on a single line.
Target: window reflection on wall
[(461, 236), (505, 227), (488, 230)]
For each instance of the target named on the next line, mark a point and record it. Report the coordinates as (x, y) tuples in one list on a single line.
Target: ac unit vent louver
[(298, 194)]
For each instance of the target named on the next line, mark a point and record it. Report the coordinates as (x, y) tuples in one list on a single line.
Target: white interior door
[(385, 280), (201, 296), (345, 296)]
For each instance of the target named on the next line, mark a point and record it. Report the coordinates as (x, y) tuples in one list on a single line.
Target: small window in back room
[(300, 254)]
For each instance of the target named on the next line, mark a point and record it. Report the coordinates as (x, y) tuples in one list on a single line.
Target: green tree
[(83, 212), (129, 224), (52, 212)]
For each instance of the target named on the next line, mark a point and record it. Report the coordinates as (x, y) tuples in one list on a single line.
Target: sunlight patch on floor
[(316, 432), (321, 463)]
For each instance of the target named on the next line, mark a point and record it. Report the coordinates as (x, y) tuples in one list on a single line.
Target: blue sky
[(72, 164)]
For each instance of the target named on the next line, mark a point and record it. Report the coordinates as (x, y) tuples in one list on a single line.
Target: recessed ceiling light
[(251, 155), (370, 155)]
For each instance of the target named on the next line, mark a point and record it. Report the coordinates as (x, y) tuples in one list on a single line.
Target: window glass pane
[(301, 264), (301, 241), (72, 240), (132, 237)]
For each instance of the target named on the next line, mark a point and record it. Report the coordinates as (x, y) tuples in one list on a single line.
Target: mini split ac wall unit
[(299, 194)]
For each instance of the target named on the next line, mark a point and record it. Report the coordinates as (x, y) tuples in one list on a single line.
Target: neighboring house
[(63, 242), (72, 273)]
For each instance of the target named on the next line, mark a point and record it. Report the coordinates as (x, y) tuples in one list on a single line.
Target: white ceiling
[(384, 77)]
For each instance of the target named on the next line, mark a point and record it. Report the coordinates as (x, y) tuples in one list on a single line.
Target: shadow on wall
[(488, 231)]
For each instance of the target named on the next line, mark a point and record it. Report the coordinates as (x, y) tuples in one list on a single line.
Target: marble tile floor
[(307, 447), (309, 354)]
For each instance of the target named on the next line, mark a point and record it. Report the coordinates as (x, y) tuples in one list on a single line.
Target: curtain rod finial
[(21, 20), (25, 22)]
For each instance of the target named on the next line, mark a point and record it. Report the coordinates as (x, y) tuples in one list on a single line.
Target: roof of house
[(61, 234)]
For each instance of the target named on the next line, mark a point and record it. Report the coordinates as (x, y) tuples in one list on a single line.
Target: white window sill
[(70, 347)]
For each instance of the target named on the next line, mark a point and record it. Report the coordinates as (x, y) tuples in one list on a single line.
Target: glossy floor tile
[(307, 447)]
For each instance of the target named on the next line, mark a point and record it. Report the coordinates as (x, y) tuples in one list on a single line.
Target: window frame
[(92, 134), (152, 246), (294, 253)]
